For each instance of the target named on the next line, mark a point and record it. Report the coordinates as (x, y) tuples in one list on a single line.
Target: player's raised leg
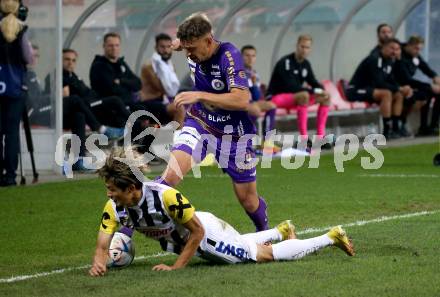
[(178, 166)]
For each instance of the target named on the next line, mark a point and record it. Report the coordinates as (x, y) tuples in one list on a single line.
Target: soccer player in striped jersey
[(164, 214)]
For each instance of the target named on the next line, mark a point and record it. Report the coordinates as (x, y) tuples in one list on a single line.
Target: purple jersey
[(222, 72)]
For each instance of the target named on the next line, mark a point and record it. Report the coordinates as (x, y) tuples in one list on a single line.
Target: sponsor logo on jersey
[(229, 249), (304, 72), (242, 74), (416, 61), (156, 233)]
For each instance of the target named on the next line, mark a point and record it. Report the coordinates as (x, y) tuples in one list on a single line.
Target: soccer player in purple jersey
[(217, 117)]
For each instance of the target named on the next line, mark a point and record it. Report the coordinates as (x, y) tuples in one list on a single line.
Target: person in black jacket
[(15, 54), (423, 92), (384, 32), (111, 76), (294, 85), (109, 111), (373, 82), (411, 61)]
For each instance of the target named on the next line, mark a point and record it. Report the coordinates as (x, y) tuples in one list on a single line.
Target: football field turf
[(49, 231)]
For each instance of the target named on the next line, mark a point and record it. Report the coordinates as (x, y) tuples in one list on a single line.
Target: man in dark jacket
[(293, 85), (110, 74), (411, 61), (384, 32), (110, 111), (373, 82)]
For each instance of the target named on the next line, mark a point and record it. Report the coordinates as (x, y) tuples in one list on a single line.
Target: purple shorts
[(235, 156)]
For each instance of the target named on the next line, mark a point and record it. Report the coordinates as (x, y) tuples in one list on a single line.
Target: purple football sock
[(127, 231), (269, 119), (259, 217), (161, 181)]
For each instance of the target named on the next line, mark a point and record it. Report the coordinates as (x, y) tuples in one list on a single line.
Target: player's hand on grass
[(186, 98), (98, 269), (163, 267)]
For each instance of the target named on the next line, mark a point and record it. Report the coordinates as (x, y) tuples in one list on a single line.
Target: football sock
[(301, 111), (264, 236), (294, 249), (259, 217), (435, 112), (127, 231), (269, 119), (386, 125), (424, 112), (321, 120), (396, 123)]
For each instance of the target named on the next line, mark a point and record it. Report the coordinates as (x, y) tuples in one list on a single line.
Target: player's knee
[(302, 98), (383, 95), (264, 253), (171, 178), (271, 105)]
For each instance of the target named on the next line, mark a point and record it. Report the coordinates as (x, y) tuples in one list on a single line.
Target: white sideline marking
[(25, 277), (377, 220), (401, 175), (158, 255)]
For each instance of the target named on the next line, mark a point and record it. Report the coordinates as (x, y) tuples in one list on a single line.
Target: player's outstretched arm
[(195, 237), (99, 267), (236, 99)]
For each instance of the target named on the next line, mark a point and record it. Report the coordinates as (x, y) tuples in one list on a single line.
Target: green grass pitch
[(53, 226)]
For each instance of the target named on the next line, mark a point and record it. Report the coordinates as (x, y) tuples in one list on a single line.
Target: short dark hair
[(391, 40), (69, 50), (415, 39), (194, 26), (381, 26), (248, 47), (111, 34), (162, 36)]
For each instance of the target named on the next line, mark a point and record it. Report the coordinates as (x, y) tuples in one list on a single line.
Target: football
[(121, 251)]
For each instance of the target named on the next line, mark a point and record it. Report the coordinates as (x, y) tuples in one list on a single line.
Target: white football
[(121, 251)]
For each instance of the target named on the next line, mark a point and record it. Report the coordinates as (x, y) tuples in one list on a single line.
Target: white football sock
[(294, 249), (263, 236)]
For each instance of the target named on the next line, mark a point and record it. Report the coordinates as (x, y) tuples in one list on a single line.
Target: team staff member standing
[(288, 87), (218, 106), (373, 82), (15, 54)]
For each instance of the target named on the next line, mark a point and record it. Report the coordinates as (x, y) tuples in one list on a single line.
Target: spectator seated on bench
[(373, 82), (293, 86)]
